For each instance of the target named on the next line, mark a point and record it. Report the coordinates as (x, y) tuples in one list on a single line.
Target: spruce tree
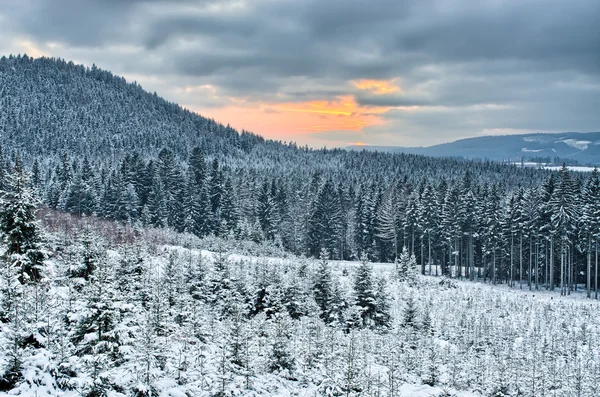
[(364, 293), (20, 232), (382, 317)]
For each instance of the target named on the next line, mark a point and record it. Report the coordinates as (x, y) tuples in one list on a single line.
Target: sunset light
[(379, 87)]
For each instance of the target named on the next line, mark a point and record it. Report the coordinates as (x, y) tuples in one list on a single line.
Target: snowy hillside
[(141, 319), (148, 251), (581, 147)]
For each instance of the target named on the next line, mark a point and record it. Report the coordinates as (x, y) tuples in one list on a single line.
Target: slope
[(581, 147)]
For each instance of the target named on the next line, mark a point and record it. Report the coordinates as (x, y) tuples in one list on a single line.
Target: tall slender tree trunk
[(464, 257), (494, 267), (521, 261), (472, 250), (537, 262), (596, 273), (429, 243), (589, 268), (422, 258), (511, 259), (456, 266), (570, 263), (562, 269), (551, 264), (530, 261)]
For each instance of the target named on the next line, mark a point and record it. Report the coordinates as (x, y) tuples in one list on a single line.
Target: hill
[(173, 256), (583, 148), (155, 318), (97, 146)]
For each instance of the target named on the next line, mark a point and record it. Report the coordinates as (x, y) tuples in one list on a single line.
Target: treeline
[(83, 317), (97, 145), (541, 235)]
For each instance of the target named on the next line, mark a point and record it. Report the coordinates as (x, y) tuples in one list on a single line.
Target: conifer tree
[(19, 230), (364, 293), (323, 288), (382, 317)]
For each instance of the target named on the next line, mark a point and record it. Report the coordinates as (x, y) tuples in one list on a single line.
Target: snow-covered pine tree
[(365, 294), (19, 229), (323, 287), (382, 317)]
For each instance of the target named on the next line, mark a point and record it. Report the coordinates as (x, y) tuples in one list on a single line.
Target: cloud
[(417, 71)]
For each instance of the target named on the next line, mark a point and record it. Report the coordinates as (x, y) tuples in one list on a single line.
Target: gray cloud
[(470, 66)]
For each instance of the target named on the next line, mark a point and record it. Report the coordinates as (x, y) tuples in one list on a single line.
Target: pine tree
[(589, 226), (324, 222), (364, 294), (266, 212), (215, 190), (387, 221), (96, 335), (281, 357), (157, 204), (409, 316), (563, 218), (407, 267), (197, 168), (20, 231), (229, 208), (382, 317), (323, 288)]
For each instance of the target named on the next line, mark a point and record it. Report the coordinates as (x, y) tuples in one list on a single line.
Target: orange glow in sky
[(379, 87), (282, 120)]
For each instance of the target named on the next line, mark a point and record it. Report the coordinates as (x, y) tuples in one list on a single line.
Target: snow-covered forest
[(96, 309), (146, 250), (96, 145)]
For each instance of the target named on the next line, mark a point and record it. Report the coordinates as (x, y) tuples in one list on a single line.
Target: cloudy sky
[(329, 72)]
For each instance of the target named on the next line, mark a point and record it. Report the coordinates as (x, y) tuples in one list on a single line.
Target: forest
[(146, 250), (97, 308), (98, 146)]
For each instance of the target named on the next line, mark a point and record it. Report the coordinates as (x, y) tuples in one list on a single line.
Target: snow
[(530, 139), (577, 168), (581, 145), (450, 303), (531, 150)]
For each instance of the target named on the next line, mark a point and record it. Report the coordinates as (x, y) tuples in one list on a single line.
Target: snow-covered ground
[(191, 322), (578, 168)]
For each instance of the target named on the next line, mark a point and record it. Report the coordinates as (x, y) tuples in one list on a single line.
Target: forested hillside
[(570, 147), (90, 308), (99, 146)]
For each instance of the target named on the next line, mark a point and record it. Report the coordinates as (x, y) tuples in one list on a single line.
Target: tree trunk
[(570, 263), (562, 269), (510, 282), (429, 241), (530, 261), (521, 261), (537, 262), (494, 267), (589, 268), (551, 264), (596, 273)]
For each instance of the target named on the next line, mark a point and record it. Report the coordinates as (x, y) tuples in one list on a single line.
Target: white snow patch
[(581, 145), (578, 168), (531, 150), (530, 140)]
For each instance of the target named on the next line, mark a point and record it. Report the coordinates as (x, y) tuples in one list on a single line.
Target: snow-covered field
[(179, 322), (577, 168)]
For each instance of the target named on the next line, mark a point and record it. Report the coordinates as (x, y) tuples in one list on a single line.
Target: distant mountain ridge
[(583, 147)]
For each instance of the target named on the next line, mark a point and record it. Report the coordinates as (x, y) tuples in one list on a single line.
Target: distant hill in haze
[(581, 147)]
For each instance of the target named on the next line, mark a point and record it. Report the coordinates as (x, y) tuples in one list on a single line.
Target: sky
[(334, 73)]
